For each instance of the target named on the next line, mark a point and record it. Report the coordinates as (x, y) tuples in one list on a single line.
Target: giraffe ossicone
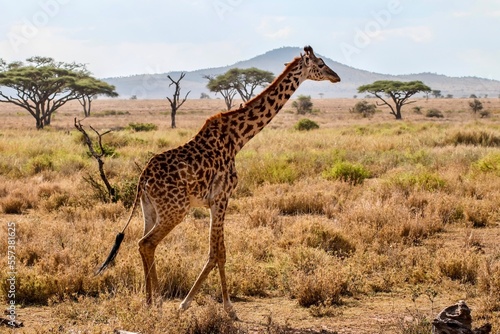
[(202, 173)]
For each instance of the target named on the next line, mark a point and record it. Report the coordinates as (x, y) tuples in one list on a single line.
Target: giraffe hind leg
[(156, 228), (147, 255)]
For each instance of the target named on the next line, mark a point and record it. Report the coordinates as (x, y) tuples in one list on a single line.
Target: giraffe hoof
[(231, 312), (183, 306), (233, 315)]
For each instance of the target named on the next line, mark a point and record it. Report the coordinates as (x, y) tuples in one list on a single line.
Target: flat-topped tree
[(88, 88), (221, 84), (246, 80), (241, 81), (42, 85), (398, 91)]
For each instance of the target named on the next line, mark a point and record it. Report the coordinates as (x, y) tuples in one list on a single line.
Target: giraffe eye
[(321, 64)]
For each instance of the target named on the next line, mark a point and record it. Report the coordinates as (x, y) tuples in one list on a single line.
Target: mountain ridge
[(154, 86)]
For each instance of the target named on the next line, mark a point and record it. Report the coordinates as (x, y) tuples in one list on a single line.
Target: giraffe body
[(202, 173)]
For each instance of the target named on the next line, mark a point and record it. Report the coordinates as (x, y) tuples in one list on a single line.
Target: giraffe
[(202, 173)]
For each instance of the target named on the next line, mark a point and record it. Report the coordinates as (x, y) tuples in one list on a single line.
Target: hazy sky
[(124, 37)]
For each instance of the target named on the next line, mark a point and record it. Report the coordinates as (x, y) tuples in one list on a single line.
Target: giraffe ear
[(305, 58), (309, 51)]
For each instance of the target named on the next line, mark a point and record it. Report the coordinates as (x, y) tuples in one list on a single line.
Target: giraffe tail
[(112, 254), (119, 237)]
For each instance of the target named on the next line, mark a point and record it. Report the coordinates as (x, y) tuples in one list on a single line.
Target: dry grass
[(325, 222)]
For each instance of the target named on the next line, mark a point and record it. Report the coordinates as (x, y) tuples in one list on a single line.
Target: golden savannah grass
[(326, 228)]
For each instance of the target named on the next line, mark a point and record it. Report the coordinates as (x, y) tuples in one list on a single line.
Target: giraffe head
[(315, 67)]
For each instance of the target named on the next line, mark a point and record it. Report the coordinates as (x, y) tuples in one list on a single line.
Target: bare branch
[(98, 156), (175, 102)]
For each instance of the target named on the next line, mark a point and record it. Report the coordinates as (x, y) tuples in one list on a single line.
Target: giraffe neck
[(244, 123)]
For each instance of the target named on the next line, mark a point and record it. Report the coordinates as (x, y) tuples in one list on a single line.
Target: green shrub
[(137, 127), (364, 108), (110, 113), (484, 113), (476, 105), (423, 180), (434, 113), (417, 110), (489, 164), (268, 169), (347, 172), (39, 164), (127, 189), (306, 124), (303, 104)]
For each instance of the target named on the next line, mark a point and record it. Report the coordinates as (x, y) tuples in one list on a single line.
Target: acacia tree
[(399, 92), (245, 81), (241, 81), (175, 102), (89, 88), (43, 85), (221, 84)]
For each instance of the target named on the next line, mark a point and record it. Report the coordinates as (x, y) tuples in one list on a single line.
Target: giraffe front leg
[(209, 265), (217, 256), (221, 262)]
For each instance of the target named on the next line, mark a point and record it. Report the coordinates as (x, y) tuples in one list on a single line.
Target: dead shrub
[(323, 287), (489, 285), (417, 202), (306, 259), (248, 277), (332, 242), (210, 318), (414, 231), (108, 211), (478, 215), (176, 276), (13, 205), (458, 266), (449, 210), (18, 201), (310, 196), (264, 217), (300, 203), (55, 201), (476, 138)]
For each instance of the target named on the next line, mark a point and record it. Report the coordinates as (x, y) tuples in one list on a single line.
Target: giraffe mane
[(276, 80)]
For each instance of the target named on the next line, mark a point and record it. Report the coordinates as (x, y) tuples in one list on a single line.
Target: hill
[(153, 86)]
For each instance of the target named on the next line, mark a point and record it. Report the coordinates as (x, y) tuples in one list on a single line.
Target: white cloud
[(495, 13), (119, 58), (418, 34), (274, 27), (461, 14)]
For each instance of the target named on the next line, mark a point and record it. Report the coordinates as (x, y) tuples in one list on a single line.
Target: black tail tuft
[(112, 254)]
